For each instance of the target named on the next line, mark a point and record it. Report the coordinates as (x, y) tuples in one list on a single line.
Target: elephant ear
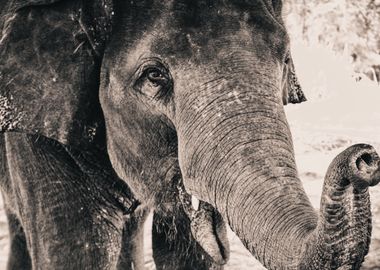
[(50, 56), (292, 91), (13, 5)]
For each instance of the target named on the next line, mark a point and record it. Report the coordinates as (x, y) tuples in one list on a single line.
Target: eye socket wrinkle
[(160, 84)]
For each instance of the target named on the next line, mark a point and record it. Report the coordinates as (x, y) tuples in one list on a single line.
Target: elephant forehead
[(220, 16), (183, 29), (204, 28)]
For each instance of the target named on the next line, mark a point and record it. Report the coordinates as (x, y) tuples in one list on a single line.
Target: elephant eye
[(156, 77), (154, 81)]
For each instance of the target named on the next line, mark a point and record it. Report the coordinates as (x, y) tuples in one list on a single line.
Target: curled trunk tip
[(343, 234)]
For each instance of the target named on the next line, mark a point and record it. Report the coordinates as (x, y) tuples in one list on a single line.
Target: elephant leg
[(174, 247), (18, 257), (132, 251), (68, 221)]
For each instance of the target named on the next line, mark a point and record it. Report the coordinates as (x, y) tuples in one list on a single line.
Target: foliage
[(348, 26)]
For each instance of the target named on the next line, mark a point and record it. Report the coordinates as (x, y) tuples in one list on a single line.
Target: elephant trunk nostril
[(367, 169), (365, 161), (364, 170), (367, 158)]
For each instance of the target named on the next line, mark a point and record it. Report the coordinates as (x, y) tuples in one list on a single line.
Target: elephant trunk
[(281, 228), (243, 164), (344, 227)]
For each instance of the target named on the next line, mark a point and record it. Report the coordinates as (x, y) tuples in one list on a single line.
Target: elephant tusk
[(195, 203)]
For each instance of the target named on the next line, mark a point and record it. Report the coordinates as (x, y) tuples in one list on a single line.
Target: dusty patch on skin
[(9, 120)]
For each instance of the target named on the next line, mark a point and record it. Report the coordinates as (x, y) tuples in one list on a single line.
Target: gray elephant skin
[(111, 108)]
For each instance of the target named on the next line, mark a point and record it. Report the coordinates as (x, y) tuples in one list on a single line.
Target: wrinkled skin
[(192, 96)]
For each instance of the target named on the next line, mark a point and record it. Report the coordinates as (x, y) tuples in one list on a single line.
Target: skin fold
[(113, 108)]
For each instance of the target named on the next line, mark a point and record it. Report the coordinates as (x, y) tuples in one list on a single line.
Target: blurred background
[(336, 51), (346, 27)]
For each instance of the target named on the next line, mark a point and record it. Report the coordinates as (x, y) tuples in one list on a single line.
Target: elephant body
[(41, 174), (68, 212), (112, 108)]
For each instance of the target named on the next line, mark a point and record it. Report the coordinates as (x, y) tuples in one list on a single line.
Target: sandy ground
[(339, 113)]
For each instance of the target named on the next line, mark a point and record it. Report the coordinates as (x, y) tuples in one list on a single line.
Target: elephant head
[(192, 93)]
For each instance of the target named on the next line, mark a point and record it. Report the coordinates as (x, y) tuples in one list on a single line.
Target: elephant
[(62, 197), (110, 108)]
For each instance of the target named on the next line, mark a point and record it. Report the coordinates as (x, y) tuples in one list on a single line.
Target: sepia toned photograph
[(189, 134)]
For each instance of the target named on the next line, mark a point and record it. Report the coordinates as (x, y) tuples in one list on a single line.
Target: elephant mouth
[(207, 226)]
